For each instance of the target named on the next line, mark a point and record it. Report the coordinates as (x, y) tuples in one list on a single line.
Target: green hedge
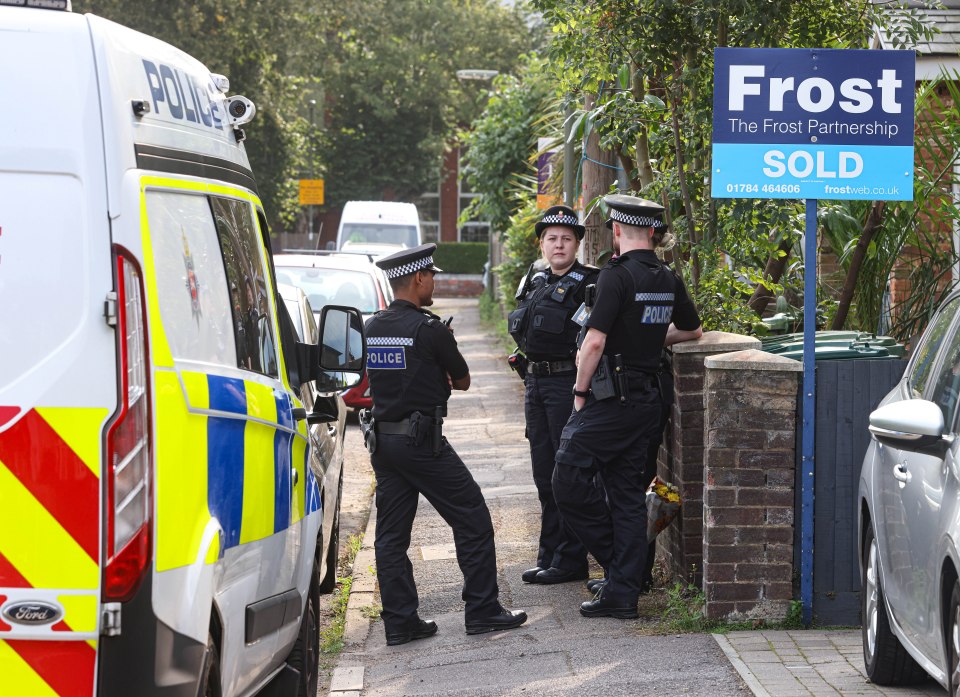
[(461, 257)]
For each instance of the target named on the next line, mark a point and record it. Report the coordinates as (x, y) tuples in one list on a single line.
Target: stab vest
[(541, 325)]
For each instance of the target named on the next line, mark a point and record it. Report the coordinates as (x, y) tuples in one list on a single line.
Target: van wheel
[(884, 657), (305, 654), (329, 580), (210, 676), (953, 640)]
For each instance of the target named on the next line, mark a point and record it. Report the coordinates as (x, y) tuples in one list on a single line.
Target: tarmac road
[(557, 652)]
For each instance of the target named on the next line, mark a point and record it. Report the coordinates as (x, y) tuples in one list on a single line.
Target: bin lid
[(835, 345)]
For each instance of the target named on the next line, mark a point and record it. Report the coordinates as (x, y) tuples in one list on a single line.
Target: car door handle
[(331, 429), (901, 474), (294, 476)]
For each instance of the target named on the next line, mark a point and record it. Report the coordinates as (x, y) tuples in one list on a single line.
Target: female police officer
[(412, 362), (545, 332), (640, 307)]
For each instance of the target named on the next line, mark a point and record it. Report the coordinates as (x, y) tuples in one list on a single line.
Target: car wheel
[(953, 640), (884, 657), (329, 580), (305, 654), (210, 675)]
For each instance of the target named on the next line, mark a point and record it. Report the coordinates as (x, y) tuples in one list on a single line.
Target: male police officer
[(412, 362), (640, 306), (545, 331)]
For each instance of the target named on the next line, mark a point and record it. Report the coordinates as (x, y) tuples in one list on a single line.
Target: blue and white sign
[(813, 124), (386, 358)]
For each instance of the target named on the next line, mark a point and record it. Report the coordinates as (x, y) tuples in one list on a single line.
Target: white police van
[(166, 502)]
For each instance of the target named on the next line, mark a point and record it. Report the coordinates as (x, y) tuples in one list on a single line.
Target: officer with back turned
[(412, 363), (640, 307), (545, 330)]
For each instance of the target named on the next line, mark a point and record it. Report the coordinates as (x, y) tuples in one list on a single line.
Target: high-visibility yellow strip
[(18, 677), (299, 503), (261, 404), (26, 527), (181, 474), (258, 481), (198, 389), (80, 429), (79, 611)]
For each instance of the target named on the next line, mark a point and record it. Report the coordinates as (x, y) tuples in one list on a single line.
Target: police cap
[(408, 261), (632, 210), (559, 215)]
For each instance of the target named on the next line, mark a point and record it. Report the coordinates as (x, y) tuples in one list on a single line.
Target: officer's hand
[(578, 403)]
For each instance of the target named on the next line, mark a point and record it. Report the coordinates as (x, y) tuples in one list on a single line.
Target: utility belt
[(541, 368), (613, 379), (416, 427)]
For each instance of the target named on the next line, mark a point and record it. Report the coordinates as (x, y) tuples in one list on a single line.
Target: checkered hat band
[(638, 220), (560, 220), (389, 341), (411, 267), (653, 297)]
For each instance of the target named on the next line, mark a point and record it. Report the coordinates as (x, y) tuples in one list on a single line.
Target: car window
[(926, 355), (333, 287), (251, 309), (946, 388), (294, 309), (191, 279), (405, 235)]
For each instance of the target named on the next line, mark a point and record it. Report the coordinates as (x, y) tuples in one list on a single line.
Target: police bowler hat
[(408, 261), (632, 210), (559, 215)]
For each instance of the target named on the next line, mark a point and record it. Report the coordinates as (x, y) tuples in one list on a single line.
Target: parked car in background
[(338, 278), (378, 227), (909, 500)]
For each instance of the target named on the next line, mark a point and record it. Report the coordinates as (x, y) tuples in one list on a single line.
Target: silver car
[(909, 501)]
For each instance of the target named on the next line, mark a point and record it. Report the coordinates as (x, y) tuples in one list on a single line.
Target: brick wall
[(749, 435), (458, 285), (681, 459)]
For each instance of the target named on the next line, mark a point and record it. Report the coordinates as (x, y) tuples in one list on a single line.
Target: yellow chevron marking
[(258, 481), (25, 527), (18, 677), (198, 389), (80, 612), (92, 643), (80, 429), (261, 404), (298, 505)]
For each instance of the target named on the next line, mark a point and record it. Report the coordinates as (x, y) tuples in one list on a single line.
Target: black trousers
[(547, 406), (611, 440), (404, 471)]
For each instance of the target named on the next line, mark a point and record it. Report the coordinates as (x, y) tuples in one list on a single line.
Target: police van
[(167, 502)]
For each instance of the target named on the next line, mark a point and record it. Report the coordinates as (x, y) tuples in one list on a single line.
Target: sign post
[(812, 124)]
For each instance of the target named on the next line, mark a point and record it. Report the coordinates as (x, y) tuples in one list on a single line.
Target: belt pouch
[(601, 384)]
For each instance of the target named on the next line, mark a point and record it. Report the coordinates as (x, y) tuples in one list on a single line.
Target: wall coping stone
[(752, 359), (717, 342)]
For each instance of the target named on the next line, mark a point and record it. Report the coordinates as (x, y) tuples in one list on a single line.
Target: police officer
[(412, 362), (543, 326), (640, 307)]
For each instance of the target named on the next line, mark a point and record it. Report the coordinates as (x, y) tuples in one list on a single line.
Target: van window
[(251, 310), (927, 350), (358, 233), (191, 281)]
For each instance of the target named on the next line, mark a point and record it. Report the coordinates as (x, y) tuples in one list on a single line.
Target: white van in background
[(378, 227)]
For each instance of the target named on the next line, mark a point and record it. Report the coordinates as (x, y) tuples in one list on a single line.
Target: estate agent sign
[(813, 124)]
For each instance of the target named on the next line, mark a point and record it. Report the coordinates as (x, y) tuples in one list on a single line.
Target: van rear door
[(58, 374)]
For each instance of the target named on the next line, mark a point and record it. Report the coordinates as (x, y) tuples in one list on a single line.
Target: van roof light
[(221, 82), (41, 4)]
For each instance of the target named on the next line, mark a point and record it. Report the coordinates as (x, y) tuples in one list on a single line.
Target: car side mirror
[(338, 361), (911, 424)]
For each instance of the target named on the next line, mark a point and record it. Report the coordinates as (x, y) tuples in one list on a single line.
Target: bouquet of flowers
[(663, 504)]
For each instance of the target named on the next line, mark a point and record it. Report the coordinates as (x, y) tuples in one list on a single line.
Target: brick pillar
[(680, 462), (750, 436)]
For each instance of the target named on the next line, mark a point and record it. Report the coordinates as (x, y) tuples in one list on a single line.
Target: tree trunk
[(870, 227), (774, 271), (597, 179), (644, 168)]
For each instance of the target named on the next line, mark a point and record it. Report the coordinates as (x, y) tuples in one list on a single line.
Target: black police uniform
[(544, 329), (637, 299), (406, 394)]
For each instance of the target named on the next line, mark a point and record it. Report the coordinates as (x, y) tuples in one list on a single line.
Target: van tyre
[(210, 675), (885, 659), (305, 654), (329, 580)]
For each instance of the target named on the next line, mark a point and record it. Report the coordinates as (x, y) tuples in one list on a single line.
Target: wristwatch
[(581, 393)]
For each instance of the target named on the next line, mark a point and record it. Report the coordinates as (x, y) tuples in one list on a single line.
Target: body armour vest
[(542, 325), (641, 326), (404, 377)]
